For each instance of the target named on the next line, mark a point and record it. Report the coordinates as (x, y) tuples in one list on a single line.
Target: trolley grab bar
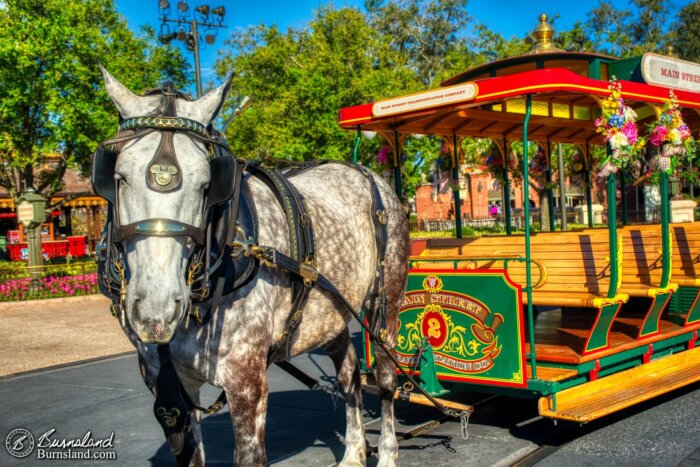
[(506, 257)]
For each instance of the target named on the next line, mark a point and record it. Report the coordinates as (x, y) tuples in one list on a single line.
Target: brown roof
[(73, 183)]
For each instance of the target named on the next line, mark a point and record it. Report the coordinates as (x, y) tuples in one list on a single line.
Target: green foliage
[(53, 110), (298, 80), (632, 31), (685, 36), (423, 32)]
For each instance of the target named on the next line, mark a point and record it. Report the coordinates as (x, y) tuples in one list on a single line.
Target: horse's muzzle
[(155, 328)]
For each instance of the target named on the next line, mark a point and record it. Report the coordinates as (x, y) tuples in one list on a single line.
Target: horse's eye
[(120, 178)]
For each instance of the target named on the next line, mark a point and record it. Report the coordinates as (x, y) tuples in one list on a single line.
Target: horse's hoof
[(176, 441)]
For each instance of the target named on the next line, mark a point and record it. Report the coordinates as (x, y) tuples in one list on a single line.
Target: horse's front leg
[(246, 391)]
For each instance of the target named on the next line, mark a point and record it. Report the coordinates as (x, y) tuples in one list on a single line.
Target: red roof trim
[(535, 82)]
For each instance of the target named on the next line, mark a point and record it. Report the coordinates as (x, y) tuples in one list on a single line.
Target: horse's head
[(162, 192)]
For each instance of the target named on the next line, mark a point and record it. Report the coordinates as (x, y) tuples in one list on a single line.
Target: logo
[(19, 443), (163, 175), (432, 284), (434, 325), (169, 416)]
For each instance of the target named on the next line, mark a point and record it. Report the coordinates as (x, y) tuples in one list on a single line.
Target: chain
[(332, 389), (253, 250), (463, 420), (121, 270), (192, 271)]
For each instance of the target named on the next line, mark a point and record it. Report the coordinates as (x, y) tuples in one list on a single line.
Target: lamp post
[(188, 23), (31, 213)]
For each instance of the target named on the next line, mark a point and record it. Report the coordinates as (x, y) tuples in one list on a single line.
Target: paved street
[(304, 427)]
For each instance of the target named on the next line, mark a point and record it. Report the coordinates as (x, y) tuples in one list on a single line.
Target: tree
[(629, 32), (425, 32), (686, 32), (53, 110), (299, 79)]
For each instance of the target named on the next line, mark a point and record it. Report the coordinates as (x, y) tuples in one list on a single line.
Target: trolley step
[(607, 395)]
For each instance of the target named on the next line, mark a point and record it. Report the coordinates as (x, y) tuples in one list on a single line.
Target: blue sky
[(510, 18)]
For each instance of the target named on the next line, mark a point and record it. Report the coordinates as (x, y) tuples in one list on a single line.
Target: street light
[(191, 36)]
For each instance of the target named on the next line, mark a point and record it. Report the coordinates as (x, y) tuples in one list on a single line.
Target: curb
[(47, 301), (66, 365)]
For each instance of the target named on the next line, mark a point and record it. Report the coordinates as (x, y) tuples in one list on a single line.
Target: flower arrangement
[(444, 160), (494, 164), (619, 128), (577, 164), (538, 165), (384, 156), (671, 135)]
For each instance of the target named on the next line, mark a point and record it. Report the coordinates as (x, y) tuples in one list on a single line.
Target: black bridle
[(163, 174)]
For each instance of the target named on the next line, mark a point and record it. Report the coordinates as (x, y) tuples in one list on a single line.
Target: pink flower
[(657, 135), (630, 131), (383, 154)]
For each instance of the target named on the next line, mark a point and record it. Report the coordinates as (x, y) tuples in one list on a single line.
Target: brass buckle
[(381, 216), (251, 249), (308, 273)]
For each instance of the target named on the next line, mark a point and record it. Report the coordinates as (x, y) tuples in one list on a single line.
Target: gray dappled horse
[(230, 350)]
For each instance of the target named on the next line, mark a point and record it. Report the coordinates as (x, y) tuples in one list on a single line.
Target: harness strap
[(303, 251), (228, 248)]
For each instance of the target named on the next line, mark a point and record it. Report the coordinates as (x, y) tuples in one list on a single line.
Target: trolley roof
[(564, 105)]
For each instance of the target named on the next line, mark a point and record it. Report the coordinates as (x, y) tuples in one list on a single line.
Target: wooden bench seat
[(574, 272), (575, 265), (685, 268)]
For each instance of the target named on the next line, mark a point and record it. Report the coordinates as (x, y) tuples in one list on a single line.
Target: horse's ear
[(206, 108), (128, 104)]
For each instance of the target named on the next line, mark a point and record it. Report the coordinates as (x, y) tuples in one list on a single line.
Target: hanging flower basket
[(671, 135), (618, 124)]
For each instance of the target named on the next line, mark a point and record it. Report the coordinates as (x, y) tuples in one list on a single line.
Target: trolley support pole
[(356, 150), (397, 165), (589, 195), (665, 240), (455, 189), (623, 193), (612, 232), (528, 272), (550, 194), (562, 188)]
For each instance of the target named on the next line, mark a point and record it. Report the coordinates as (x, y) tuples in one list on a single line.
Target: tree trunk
[(544, 211)]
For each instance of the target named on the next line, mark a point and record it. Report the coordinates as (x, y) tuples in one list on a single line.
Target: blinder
[(223, 172), (103, 166)]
